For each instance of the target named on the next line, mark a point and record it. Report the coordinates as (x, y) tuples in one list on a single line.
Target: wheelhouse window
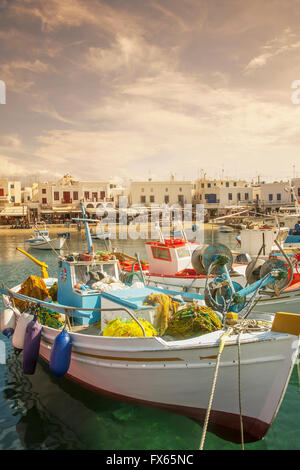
[(161, 253), (183, 252)]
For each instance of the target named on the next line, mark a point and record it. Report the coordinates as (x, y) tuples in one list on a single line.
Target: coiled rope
[(244, 326)]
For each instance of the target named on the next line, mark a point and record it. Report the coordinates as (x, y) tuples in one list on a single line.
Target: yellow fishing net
[(193, 320), (166, 306), (53, 291), (130, 328), (35, 287)]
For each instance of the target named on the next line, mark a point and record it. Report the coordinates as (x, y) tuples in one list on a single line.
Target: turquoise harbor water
[(38, 412)]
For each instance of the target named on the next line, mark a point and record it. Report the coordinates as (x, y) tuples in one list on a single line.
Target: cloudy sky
[(139, 88)]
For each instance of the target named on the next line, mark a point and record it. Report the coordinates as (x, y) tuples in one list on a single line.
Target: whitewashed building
[(12, 211), (10, 192), (146, 193), (219, 196), (62, 199), (273, 196)]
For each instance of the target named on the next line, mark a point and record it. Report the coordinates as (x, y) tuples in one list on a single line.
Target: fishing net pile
[(35, 287), (49, 318), (193, 320), (128, 328), (165, 308)]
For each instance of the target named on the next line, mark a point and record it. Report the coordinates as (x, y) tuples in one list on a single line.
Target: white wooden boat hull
[(177, 376), (101, 236), (56, 243)]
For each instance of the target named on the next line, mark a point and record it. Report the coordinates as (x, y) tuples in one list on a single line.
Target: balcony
[(66, 201)]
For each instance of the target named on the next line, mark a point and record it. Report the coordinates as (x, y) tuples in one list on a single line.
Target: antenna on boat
[(161, 237), (184, 236)]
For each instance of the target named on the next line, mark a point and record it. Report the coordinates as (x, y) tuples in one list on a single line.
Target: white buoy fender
[(19, 334), (8, 322)]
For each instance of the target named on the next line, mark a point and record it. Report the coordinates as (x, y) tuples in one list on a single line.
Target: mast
[(87, 228)]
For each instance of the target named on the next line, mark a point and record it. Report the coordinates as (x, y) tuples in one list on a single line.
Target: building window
[(227, 185), (202, 185), (44, 191), (102, 194), (12, 186), (56, 196), (208, 185), (167, 189), (44, 200), (230, 196), (238, 196), (167, 199), (143, 199), (86, 195), (278, 196), (95, 197), (270, 197), (152, 199), (234, 184), (75, 195), (1, 192), (180, 198), (180, 190), (246, 196), (13, 199)]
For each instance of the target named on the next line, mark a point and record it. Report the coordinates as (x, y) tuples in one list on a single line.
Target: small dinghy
[(41, 241), (225, 229)]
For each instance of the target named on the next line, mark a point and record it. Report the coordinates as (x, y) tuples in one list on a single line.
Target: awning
[(19, 211), (61, 210), (101, 210)]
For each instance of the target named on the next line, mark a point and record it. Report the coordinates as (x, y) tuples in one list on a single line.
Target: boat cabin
[(40, 235), (74, 286), (169, 256)]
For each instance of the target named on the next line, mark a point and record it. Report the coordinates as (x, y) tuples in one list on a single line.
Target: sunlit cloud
[(121, 89)]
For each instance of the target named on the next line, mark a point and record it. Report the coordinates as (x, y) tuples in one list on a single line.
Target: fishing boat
[(41, 241), (225, 229), (159, 370), (166, 373), (178, 264), (100, 233)]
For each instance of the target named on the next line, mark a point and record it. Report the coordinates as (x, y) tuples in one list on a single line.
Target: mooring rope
[(242, 327)]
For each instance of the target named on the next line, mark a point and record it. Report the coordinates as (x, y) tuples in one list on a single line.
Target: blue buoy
[(60, 356), (8, 332), (31, 348)]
